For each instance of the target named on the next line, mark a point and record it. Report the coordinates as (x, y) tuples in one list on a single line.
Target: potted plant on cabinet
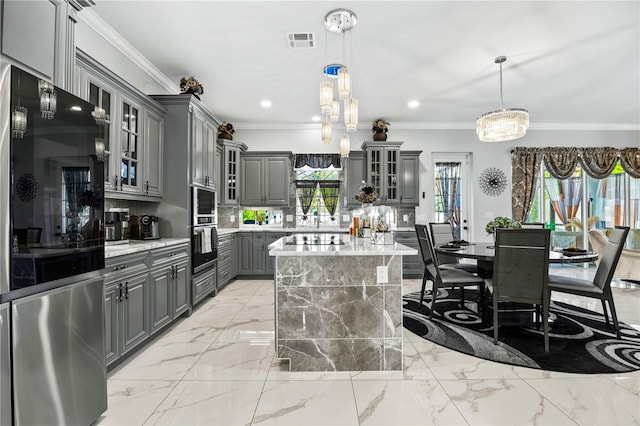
[(380, 128)]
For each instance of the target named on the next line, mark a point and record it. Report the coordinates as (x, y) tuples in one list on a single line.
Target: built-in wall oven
[(52, 251), (204, 235)]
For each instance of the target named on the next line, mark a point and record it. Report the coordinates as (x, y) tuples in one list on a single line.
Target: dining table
[(484, 254)]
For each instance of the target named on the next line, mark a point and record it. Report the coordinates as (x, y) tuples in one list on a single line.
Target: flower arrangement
[(225, 130), (380, 126), (367, 194), (501, 222), (191, 85)]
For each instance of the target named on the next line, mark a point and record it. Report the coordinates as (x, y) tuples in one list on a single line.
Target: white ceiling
[(572, 64)]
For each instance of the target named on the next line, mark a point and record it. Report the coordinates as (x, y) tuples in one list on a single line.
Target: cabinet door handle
[(119, 288), (115, 182), (146, 187), (126, 289)]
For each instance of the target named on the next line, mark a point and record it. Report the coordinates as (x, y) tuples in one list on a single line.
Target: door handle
[(126, 289), (119, 288)]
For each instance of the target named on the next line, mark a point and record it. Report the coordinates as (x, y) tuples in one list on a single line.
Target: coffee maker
[(144, 227), (116, 226)]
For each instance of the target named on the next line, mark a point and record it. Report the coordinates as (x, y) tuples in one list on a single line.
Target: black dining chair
[(600, 286), (441, 276), (521, 273), (441, 234)]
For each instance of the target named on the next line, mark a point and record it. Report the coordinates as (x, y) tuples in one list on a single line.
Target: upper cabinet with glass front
[(132, 136), (383, 169), (229, 187)]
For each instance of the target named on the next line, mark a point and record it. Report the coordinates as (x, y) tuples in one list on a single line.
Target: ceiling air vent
[(301, 40)]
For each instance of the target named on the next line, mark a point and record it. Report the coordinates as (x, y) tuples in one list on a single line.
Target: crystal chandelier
[(345, 146), (338, 21), (504, 124)]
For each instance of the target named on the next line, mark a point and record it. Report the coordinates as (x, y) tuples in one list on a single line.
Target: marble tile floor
[(217, 367)]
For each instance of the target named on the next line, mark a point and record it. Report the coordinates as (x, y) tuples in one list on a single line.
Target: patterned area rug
[(579, 339)]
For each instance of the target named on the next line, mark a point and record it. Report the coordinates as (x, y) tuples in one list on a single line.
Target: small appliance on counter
[(116, 226), (144, 227)]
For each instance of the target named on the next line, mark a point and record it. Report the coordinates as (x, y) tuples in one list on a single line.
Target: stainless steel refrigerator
[(52, 364)]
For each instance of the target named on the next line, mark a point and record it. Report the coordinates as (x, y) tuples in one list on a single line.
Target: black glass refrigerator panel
[(57, 183)]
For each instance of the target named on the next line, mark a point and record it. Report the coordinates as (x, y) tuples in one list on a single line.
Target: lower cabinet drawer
[(204, 285)]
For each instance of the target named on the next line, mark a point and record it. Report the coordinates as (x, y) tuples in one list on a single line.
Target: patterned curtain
[(524, 173), (306, 189), (330, 191), (565, 196), (561, 162), (76, 183), (447, 189), (630, 160), (598, 162)]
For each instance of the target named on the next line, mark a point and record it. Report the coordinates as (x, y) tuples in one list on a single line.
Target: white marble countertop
[(352, 247), (226, 231), (136, 246)]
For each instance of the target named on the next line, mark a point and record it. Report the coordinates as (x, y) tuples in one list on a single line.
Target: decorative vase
[(225, 135), (380, 136)]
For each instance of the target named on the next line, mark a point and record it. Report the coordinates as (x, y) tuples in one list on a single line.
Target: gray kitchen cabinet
[(355, 175), (226, 259), (218, 177), (410, 178), (383, 170), (245, 253), (152, 170), (204, 132), (253, 254), (169, 284), (412, 266), (258, 257), (133, 133), (40, 37), (126, 304), (271, 237), (265, 178), (189, 151), (229, 189)]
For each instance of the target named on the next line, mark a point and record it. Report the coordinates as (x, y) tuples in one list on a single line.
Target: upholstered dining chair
[(521, 273), (600, 286), (441, 276), (442, 233)]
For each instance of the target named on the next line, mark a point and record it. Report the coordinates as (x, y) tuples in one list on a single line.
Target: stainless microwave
[(204, 207)]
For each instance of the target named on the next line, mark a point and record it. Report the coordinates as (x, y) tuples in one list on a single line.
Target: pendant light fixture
[(338, 21), (345, 146), (48, 99), (504, 124)]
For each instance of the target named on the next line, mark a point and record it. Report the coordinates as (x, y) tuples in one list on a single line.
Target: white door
[(457, 166)]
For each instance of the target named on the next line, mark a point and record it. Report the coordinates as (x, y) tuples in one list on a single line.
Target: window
[(318, 213), (612, 201)]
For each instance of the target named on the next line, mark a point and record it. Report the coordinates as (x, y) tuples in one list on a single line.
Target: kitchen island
[(338, 302)]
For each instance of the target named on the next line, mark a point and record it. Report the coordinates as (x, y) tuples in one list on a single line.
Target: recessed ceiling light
[(316, 118), (413, 104), (266, 103)]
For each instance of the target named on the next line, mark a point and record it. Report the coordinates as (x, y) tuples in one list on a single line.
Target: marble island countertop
[(292, 230), (136, 246), (341, 245)]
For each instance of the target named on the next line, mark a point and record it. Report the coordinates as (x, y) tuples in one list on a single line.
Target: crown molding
[(406, 125), (107, 32)]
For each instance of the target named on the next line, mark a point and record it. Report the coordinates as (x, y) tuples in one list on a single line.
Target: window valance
[(596, 162), (561, 163), (317, 161)]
